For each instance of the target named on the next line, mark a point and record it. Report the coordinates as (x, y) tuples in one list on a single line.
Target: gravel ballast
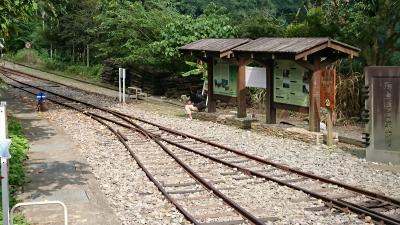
[(137, 201)]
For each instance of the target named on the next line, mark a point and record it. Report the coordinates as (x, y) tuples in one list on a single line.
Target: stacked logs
[(150, 80)]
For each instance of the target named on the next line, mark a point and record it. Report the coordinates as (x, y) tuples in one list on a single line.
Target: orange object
[(328, 88)]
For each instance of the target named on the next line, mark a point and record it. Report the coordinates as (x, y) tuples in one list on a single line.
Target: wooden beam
[(306, 65), (315, 89), (269, 97), (310, 51), (294, 108), (241, 88), (344, 49), (260, 62), (225, 54), (330, 59), (211, 104)]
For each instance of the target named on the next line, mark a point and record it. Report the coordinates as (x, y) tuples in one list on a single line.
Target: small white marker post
[(123, 84), (119, 84), (5, 156)]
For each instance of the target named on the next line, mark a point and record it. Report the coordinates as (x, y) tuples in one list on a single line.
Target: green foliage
[(18, 150), (395, 59), (236, 9), (261, 25), (12, 12), (126, 30), (28, 56), (92, 72), (198, 69), (374, 26), (314, 24), (185, 29)]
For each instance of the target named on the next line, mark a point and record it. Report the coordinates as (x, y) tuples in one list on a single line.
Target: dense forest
[(84, 33)]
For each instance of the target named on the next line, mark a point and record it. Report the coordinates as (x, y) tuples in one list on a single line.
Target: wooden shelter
[(207, 50), (313, 54)]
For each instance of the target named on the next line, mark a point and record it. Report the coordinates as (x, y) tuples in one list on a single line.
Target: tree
[(125, 31), (313, 24), (372, 25), (212, 24), (261, 25), (12, 12)]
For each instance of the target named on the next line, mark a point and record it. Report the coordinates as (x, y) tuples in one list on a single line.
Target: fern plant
[(198, 69)]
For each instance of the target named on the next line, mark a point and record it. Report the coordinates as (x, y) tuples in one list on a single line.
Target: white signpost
[(121, 84), (5, 156)]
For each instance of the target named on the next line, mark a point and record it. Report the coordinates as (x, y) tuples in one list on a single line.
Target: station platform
[(57, 171)]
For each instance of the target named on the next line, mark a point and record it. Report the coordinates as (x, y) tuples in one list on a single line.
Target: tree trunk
[(73, 53), (87, 56)]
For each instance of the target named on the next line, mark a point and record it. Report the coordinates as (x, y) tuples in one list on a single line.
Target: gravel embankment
[(136, 200)]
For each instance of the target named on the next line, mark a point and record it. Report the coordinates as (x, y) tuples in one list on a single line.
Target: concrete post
[(119, 84), (123, 84)]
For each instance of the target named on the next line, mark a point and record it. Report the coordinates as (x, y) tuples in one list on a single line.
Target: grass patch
[(18, 150), (28, 56), (38, 60), (78, 71)]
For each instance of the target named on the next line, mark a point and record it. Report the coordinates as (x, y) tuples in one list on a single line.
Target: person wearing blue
[(40, 100)]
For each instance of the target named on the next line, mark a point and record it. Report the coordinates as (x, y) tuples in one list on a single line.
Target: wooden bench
[(135, 92)]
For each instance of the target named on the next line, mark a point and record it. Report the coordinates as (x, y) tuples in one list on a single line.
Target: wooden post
[(329, 125), (269, 97), (315, 89), (210, 76), (241, 88)]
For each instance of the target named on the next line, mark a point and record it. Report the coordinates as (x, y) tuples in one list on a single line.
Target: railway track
[(179, 154)]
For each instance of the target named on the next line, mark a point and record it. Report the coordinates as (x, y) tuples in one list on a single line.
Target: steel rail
[(197, 177), (56, 82), (131, 152), (209, 186), (341, 203), (271, 163), (60, 75)]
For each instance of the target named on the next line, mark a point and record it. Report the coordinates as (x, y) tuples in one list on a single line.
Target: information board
[(225, 78), (256, 77), (328, 88), (291, 83)]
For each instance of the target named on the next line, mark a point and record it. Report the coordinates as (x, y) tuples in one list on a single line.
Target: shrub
[(82, 70), (28, 56), (18, 150)]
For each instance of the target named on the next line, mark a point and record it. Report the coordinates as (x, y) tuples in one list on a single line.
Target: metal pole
[(119, 84), (41, 203), (123, 84), (4, 165)]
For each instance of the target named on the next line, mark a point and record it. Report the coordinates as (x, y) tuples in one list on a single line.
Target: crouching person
[(194, 107)]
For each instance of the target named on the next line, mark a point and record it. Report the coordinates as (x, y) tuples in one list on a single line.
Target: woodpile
[(150, 80)]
